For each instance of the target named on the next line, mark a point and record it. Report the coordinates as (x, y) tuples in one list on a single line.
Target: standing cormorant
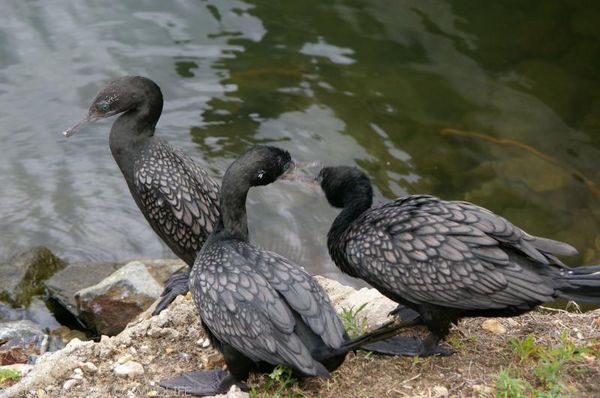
[(446, 259), (178, 198), (258, 309)]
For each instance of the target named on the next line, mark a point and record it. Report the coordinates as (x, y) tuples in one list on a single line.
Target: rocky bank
[(131, 363)]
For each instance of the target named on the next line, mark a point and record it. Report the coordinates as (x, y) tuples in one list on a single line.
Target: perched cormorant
[(258, 309), (178, 198), (446, 259)]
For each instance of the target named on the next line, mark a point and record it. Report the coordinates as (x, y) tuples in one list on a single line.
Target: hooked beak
[(302, 172), (72, 130)]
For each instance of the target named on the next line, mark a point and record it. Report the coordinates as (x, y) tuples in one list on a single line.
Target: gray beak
[(302, 172), (72, 130)]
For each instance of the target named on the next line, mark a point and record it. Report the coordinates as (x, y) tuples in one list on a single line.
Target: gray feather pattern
[(247, 296), (445, 253), (179, 199)]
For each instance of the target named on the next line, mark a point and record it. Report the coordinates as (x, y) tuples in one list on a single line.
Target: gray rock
[(22, 276), (63, 285), (22, 341), (376, 307), (162, 269), (18, 332), (129, 369), (109, 305)]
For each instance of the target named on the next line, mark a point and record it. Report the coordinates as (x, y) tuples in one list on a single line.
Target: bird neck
[(133, 128), (233, 221), (355, 204)]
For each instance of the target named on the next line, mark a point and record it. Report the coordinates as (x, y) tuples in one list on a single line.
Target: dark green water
[(514, 84)]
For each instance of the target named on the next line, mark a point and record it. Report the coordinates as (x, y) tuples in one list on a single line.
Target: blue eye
[(104, 107)]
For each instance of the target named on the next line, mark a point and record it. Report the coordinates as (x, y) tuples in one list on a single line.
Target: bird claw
[(176, 285), (203, 382)]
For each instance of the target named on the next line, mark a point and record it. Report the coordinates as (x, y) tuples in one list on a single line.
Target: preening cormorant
[(446, 259), (259, 309), (178, 198)]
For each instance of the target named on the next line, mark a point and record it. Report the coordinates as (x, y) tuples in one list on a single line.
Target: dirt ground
[(173, 342)]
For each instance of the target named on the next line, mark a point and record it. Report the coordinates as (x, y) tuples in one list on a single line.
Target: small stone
[(89, 367), (77, 374), (132, 350), (124, 358), (440, 392), (70, 383), (129, 369), (41, 393), (235, 392), (185, 356), (494, 326), (152, 393), (589, 358), (483, 390), (212, 360), (206, 343)]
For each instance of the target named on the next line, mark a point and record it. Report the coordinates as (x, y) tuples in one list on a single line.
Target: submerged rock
[(22, 276), (109, 305), (22, 341)]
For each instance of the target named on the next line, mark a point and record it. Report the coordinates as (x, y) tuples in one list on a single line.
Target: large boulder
[(109, 305), (22, 276), (63, 285)]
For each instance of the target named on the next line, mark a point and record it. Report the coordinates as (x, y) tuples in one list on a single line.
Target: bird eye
[(260, 174), (104, 107)]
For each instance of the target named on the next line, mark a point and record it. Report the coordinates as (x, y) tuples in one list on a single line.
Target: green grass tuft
[(280, 383), (354, 324), (9, 374)]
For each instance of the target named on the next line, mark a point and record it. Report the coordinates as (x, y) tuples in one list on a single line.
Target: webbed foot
[(176, 285), (406, 346), (203, 382)]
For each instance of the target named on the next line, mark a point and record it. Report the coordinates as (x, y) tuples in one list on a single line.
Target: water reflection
[(367, 83)]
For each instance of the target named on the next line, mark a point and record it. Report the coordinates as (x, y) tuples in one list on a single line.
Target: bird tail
[(582, 284), (385, 331)]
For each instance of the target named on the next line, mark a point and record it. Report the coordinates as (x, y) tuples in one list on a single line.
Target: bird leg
[(203, 382), (176, 285), (430, 346), (404, 313)]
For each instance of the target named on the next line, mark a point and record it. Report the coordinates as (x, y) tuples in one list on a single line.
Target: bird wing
[(242, 308), (179, 198), (302, 293), (447, 253)]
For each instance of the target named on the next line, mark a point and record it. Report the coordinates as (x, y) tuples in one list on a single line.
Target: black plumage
[(258, 308), (178, 198), (446, 259)]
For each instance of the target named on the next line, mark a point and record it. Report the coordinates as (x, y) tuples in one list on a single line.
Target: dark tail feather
[(383, 332), (582, 284)]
